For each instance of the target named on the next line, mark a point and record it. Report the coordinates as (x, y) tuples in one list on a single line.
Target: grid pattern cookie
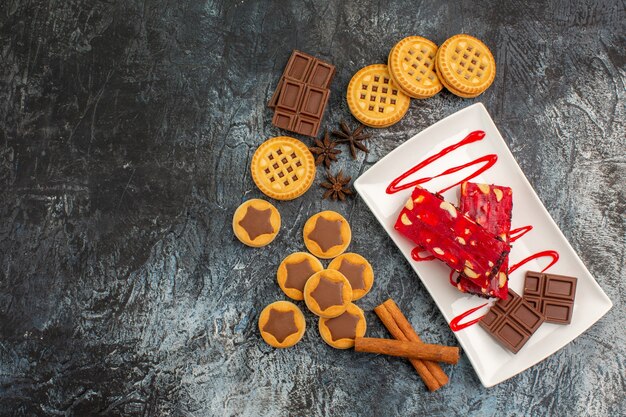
[(412, 67), (374, 99), (465, 66), (283, 168)]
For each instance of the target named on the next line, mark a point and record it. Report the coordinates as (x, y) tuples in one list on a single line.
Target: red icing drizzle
[(453, 282), (415, 254), (487, 160), (456, 324), (546, 253), (519, 232)]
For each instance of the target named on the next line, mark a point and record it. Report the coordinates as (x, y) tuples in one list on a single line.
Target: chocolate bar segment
[(314, 102), (551, 295), (302, 94), (274, 99), (512, 321), (291, 95), (438, 227), (306, 125), (299, 66), (284, 119)]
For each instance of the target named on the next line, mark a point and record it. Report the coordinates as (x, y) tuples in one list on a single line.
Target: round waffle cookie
[(283, 168), (465, 66), (412, 67), (374, 99)]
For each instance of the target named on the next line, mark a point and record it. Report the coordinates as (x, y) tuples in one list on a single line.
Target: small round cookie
[(357, 270), (282, 324), (256, 222), (294, 271), (283, 168), (327, 293), (465, 65), (374, 99), (327, 234), (412, 67), (340, 331)]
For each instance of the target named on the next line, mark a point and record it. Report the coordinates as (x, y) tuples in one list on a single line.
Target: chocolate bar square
[(557, 311), (525, 315), (314, 102), (291, 95), (551, 295), (511, 335)]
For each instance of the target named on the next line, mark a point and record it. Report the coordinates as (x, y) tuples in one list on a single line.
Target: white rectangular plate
[(492, 362)]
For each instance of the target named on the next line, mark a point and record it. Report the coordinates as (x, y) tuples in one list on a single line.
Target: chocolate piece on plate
[(551, 295), (302, 93), (512, 321)]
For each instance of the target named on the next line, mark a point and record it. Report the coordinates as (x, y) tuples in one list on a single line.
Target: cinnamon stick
[(411, 335), (430, 380), (407, 349)]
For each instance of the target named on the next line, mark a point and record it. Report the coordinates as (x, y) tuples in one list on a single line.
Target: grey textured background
[(126, 130)]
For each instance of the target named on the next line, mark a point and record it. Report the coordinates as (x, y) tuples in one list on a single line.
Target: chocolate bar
[(512, 321), (438, 227), (302, 93), (491, 206), (551, 295)]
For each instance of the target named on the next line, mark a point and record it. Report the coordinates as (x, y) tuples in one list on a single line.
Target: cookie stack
[(379, 95)]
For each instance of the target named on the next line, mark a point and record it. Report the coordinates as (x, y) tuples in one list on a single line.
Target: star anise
[(325, 150), (354, 138), (337, 186)]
